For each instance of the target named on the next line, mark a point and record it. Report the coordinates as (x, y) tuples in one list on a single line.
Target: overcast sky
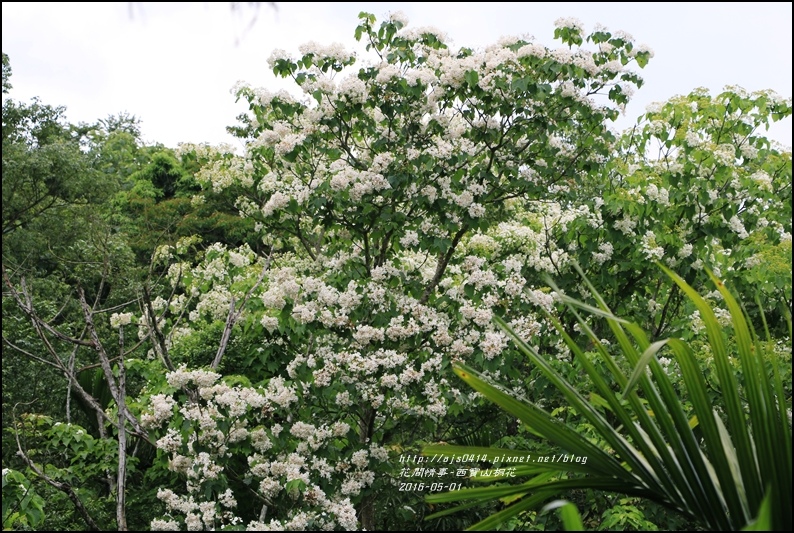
[(173, 64)]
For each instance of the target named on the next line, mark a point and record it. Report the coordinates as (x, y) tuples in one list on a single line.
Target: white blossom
[(118, 320)]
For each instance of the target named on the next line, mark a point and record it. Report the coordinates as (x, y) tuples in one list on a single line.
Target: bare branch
[(30, 355), (104, 361), (57, 363), (158, 338), (121, 485), (234, 314), (27, 307)]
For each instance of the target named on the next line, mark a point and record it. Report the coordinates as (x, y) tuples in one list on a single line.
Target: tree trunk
[(366, 509), (121, 485)]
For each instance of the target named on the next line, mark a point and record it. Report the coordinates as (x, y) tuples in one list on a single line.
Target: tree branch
[(234, 315), (104, 361), (442, 265)]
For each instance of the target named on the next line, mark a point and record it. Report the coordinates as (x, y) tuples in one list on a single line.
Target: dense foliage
[(265, 339)]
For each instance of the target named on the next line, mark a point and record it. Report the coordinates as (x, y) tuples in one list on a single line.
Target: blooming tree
[(695, 186), (404, 199), (376, 191)]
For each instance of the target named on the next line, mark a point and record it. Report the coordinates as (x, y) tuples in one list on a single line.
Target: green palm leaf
[(739, 460)]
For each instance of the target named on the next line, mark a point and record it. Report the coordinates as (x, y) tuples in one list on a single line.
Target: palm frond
[(717, 467)]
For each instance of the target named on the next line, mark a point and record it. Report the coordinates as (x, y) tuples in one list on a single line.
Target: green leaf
[(762, 522), (642, 365), (472, 78), (571, 519)]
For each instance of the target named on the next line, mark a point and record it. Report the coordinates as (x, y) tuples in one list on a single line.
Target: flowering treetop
[(375, 191)]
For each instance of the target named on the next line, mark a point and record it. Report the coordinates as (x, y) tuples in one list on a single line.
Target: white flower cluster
[(198, 515), (569, 23), (162, 254), (183, 377), (416, 34), (356, 183), (655, 194), (162, 410), (399, 17), (238, 407), (143, 326), (493, 343), (763, 180), (737, 227), (626, 225), (604, 254), (334, 51), (278, 55), (650, 249), (118, 320), (642, 49), (222, 173), (214, 303), (354, 89), (685, 251)]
